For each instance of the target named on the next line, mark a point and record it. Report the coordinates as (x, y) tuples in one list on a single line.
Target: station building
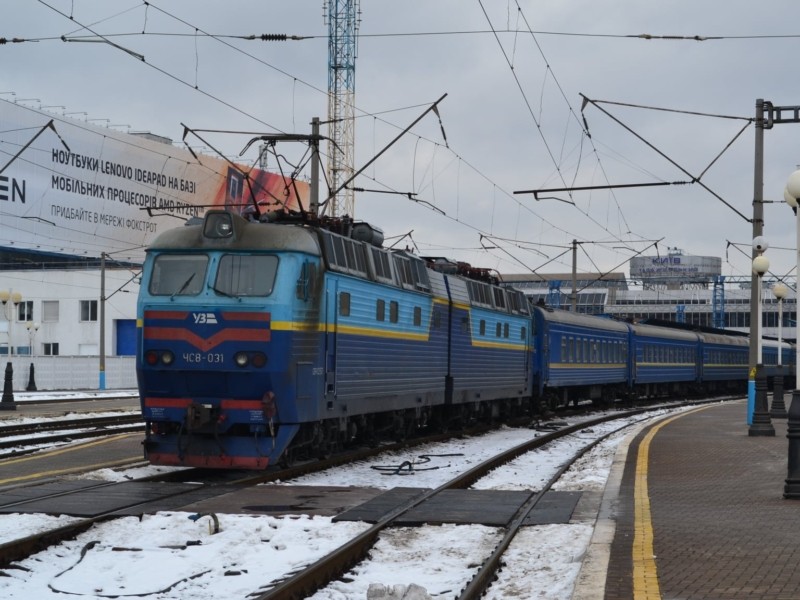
[(677, 287)]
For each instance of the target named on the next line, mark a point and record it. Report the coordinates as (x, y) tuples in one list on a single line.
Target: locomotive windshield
[(246, 275), (178, 274)]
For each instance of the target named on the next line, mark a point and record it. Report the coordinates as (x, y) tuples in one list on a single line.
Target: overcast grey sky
[(513, 73)]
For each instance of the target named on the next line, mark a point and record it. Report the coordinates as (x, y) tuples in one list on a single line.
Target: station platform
[(694, 509)]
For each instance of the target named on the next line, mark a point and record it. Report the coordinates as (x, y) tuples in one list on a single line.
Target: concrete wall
[(70, 372)]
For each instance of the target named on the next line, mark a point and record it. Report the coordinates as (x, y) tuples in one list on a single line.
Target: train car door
[(332, 308)]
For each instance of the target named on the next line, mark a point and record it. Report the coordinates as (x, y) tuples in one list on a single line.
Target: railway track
[(56, 431), (336, 565)]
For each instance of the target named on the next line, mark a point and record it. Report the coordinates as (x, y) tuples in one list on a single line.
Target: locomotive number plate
[(197, 358)]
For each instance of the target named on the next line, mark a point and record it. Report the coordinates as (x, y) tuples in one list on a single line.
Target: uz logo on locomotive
[(204, 318)]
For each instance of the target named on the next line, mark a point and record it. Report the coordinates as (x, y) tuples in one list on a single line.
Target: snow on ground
[(72, 395), (169, 556)]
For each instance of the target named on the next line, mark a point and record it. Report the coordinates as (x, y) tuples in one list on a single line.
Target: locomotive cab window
[(178, 274), (246, 275)]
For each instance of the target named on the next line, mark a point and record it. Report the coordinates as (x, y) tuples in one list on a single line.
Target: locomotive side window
[(523, 332), (505, 330), (499, 297), (178, 274), (380, 310), (394, 311), (483, 327), (246, 275), (403, 267), (498, 330), (344, 304), (380, 260), (420, 274), (307, 282), (417, 316)]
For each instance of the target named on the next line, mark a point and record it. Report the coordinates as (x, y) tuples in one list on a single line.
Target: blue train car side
[(663, 360), (579, 357)]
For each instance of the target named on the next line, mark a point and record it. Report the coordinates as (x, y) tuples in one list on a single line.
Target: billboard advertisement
[(69, 187), (675, 266)]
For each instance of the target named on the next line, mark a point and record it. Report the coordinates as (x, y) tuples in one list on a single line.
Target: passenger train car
[(262, 342)]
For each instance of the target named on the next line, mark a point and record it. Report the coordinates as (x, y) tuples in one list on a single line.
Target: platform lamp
[(761, 425), (792, 488), (778, 411), (10, 300)]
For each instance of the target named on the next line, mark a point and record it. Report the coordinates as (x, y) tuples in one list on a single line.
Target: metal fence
[(70, 372)]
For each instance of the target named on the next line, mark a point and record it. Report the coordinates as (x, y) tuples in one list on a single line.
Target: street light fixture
[(32, 329), (792, 488), (10, 300), (778, 411), (760, 425)]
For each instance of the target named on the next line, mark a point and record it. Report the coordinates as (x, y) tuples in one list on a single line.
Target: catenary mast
[(343, 21)]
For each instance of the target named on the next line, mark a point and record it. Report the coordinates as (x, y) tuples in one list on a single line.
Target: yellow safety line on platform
[(45, 455), (645, 574)]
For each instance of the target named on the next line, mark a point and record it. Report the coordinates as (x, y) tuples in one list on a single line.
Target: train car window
[(437, 319), (517, 301), (523, 333), (178, 274), (380, 260), (483, 327), (505, 330), (356, 261), (417, 316), (499, 297), (403, 269), (344, 304), (498, 330), (464, 325), (394, 311), (246, 275), (327, 242), (339, 255), (420, 274), (563, 349), (307, 281), (380, 310), (479, 293)]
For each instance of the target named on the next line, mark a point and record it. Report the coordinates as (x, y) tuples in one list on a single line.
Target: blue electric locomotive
[(268, 341)]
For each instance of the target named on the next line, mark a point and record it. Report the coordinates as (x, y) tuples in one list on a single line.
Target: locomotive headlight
[(259, 359), (167, 357), (240, 358), (219, 224)]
